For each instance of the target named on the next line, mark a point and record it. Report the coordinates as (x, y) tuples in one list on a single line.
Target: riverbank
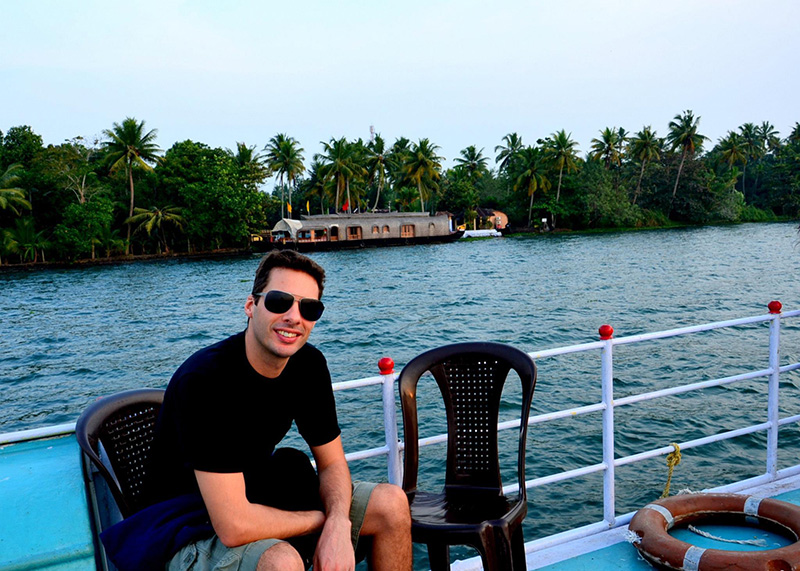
[(88, 263), (244, 252)]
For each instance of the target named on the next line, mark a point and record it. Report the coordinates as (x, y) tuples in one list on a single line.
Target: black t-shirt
[(220, 415)]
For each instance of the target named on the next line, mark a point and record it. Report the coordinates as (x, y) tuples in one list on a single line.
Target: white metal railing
[(392, 447)]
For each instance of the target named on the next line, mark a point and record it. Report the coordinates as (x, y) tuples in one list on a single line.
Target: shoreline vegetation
[(118, 198), (227, 253)]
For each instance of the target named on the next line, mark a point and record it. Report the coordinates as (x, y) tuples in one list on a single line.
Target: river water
[(71, 335)]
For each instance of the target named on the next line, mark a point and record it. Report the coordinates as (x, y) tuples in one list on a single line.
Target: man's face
[(281, 335)]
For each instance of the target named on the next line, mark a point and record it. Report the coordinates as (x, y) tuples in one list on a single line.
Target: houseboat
[(324, 232)]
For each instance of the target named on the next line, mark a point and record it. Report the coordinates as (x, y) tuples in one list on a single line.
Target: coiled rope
[(673, 459)]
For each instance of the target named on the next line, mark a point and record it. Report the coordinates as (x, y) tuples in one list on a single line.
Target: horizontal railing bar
[(540, 418), (433, 440), (566, 350), (37, 433), (693, 387), (559, 477), (566, 536), (691, 444), (789, 420), (691, 329), (368, 453), (357, 383), (787, 368)]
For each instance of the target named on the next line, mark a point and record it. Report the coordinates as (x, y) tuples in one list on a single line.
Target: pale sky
[(457, 72)]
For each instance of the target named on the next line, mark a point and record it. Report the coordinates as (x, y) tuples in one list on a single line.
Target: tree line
[(118, 194)]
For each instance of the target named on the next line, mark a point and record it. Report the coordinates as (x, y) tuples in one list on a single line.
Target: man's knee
[(279, 557), (389, 505)]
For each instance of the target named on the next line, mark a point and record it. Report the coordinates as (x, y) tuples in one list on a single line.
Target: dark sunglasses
[(276, 301)]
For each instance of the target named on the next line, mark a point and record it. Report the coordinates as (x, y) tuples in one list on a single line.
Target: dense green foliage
[(118, 195)]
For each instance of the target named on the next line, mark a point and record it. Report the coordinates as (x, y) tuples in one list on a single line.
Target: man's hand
[(334, 548)]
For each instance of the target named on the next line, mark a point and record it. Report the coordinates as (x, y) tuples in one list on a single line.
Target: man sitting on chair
[(225, 411)]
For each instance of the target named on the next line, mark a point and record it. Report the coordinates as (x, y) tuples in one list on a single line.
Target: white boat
[(47, 521)]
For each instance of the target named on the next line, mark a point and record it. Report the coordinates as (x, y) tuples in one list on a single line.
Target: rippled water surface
[(69, 336)]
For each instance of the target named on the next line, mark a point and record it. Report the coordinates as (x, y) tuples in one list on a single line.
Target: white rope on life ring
[(652, 523)]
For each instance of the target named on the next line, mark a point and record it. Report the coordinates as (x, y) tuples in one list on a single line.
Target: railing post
[(607, 372), (386, 366), (773, 409)]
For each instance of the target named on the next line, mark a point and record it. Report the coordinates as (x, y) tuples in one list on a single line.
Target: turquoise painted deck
[(624, 556), (44, 514)]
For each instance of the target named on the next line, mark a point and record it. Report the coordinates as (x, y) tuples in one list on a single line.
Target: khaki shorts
[(211, 555)]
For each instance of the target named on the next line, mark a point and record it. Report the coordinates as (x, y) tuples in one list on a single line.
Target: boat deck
[(45, 513), (46, 517), (611, 550)]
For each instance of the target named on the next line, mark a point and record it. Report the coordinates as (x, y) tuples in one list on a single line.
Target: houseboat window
[(407, 231), (375, 230), (385, 229), (304, 235), (432, 229), (354, 232)]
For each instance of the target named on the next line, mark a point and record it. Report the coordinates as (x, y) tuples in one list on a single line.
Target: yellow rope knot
[(673, 459)]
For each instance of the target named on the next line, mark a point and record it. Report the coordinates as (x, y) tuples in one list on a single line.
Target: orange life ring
[(652, 523)]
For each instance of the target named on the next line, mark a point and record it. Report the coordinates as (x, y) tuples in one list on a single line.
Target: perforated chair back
[(124, 425), (471, 510), (471, 377)]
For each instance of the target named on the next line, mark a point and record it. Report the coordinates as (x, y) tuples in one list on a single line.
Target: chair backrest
[(124, 424), (470, 377)]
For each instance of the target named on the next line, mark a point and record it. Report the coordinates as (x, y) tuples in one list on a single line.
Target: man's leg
[(281, 557), (388, 523), (292, 484)]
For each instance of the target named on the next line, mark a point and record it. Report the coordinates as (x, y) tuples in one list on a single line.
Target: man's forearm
[(237, 521), (336, 490), (335, 549)]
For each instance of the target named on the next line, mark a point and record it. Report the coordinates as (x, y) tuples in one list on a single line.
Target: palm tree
[(683, 133), (11, 197), (732, 150), (608, 147), (398, 156), (154, 218), (560, 150), (284, 156), (751, 145), (339, 165), (473, 162), (24, 240), (506, 154), (249, 165), (645, 147), (377, 165), (405, 196), (358, 184), (109, 239), (423, 168), (128, 146), (794, 136), (768, 134), (531, 164), (317, 183)]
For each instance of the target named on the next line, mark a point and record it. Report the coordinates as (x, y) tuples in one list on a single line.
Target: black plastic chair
[(123, 424), (471, 510)]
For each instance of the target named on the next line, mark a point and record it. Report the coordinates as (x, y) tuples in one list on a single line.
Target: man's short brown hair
[(290, 260)]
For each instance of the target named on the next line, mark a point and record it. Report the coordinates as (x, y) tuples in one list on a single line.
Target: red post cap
[(386, 365), (775, 306), (606, 332)]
